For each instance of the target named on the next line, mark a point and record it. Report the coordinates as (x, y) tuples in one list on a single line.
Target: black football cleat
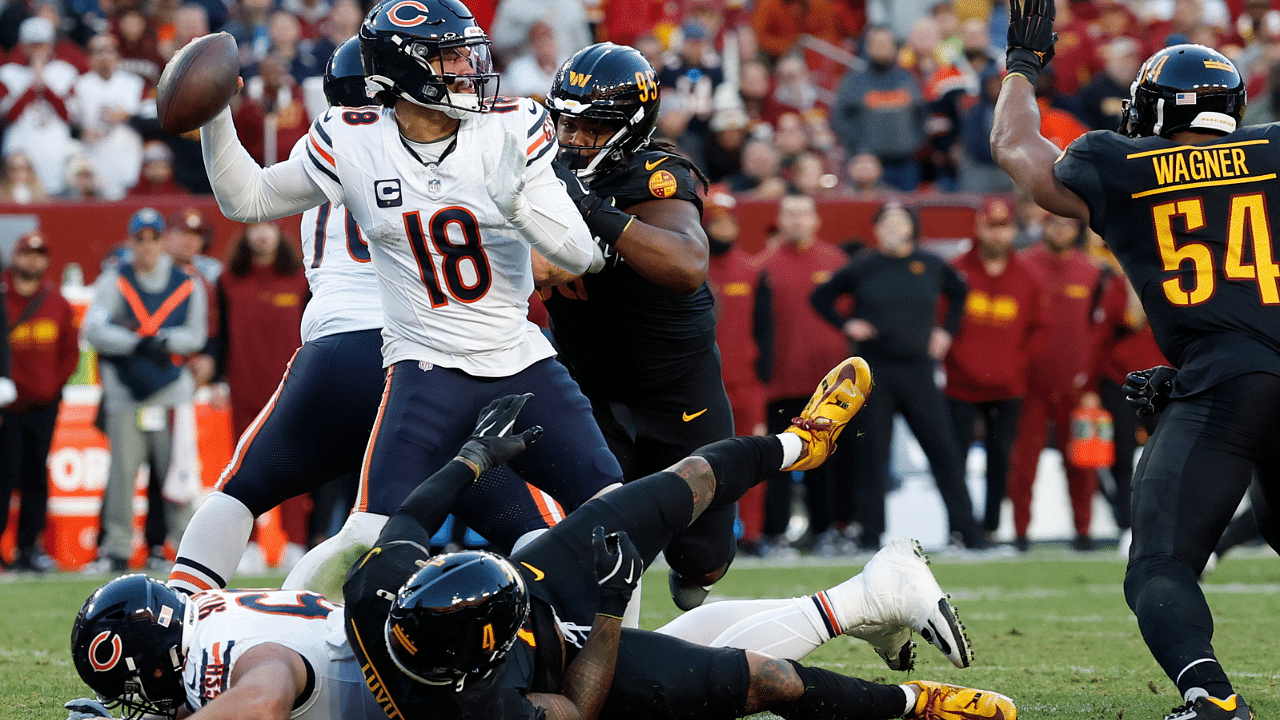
[(1211, 708)]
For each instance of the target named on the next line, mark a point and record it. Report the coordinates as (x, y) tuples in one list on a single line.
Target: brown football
[(199, 80)]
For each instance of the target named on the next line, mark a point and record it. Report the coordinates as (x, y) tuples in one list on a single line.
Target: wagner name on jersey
[(454, 275), (1191, 226), (229, 623)]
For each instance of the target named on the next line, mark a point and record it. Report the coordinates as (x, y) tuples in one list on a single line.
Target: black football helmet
[(399, 39), (127, 645), (610, 83), (344, 77), (457, 617), (1185, 87)]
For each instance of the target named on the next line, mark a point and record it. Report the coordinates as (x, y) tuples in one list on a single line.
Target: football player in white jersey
[(150, 650), (315, 429), (452, 187)]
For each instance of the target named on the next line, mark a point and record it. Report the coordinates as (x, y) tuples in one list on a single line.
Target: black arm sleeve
[(763, 328), (423, 513), (823, 298), (954, 287)]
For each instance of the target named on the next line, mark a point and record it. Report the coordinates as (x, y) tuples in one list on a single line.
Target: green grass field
[(1050, 630)]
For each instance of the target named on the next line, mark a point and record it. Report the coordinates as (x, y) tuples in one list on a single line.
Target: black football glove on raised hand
[(1031, 37), (85, 709), (492, 443), (618, 569), (606, 222), (1148, 391)]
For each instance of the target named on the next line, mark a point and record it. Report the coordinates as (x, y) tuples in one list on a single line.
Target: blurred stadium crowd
[(836, 97)]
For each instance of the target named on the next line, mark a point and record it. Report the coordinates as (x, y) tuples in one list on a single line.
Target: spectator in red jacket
[(744, 333), (261, 295), (797, 261), (1080, 298), (45, 350), (987, 364)]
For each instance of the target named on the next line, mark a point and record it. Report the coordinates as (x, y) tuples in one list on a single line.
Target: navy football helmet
[(457, 617), (127, 645), (404, 44), (344, 84), (1185, 87), (609, 83)]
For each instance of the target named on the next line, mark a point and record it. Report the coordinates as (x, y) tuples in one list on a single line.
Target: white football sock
[(912, 696), (792, 446), (212, 545), (324, 568), (789, 629)]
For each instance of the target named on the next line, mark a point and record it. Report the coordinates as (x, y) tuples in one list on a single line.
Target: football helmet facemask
[(1185, 87), (612, 84), (127, 644), (429, 52), (456, 618), (344, 84)]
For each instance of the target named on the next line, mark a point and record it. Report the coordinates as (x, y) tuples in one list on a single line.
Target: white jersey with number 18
[(454, 274)]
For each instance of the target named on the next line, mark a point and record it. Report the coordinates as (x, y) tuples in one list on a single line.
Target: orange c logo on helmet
[(116, 651), (414, 19)]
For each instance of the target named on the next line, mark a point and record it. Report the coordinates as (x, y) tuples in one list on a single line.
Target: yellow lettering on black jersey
[(1188, 166)]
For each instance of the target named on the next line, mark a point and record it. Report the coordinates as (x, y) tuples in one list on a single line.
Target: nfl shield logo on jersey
[(387, 193)]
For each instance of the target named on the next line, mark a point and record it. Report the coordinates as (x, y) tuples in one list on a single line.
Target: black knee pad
[(705, 547)]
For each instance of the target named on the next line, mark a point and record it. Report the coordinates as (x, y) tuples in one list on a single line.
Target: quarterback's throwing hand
[(1031, 37), (618, 569), (492, 443), (85, 708), (504, 178), (1148, 391)]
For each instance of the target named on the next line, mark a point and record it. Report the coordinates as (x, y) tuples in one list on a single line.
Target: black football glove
[(605, 221), (86, 708), (618, 569), (153, 348), (1031, 37), (492, 443), (1147, 391)]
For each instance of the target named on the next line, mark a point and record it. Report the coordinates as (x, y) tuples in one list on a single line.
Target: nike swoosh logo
[(651, 165), (689, 416), (630, 572), (537, 574)]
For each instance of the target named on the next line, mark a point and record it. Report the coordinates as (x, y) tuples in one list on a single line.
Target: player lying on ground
[(539, 635), (277, 652)]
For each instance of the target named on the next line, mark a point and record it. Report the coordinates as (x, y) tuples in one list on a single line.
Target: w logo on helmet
[(409, 13), (116, 651), (578, 79)]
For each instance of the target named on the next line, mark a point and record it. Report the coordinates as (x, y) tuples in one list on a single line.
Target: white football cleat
[(895, 594)]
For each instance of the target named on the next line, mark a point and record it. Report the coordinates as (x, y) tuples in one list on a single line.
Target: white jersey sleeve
[(229, 623), (335, 255), (454, 275), (246, 192)]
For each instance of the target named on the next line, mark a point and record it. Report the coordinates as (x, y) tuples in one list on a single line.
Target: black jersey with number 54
[(1192, 227)]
